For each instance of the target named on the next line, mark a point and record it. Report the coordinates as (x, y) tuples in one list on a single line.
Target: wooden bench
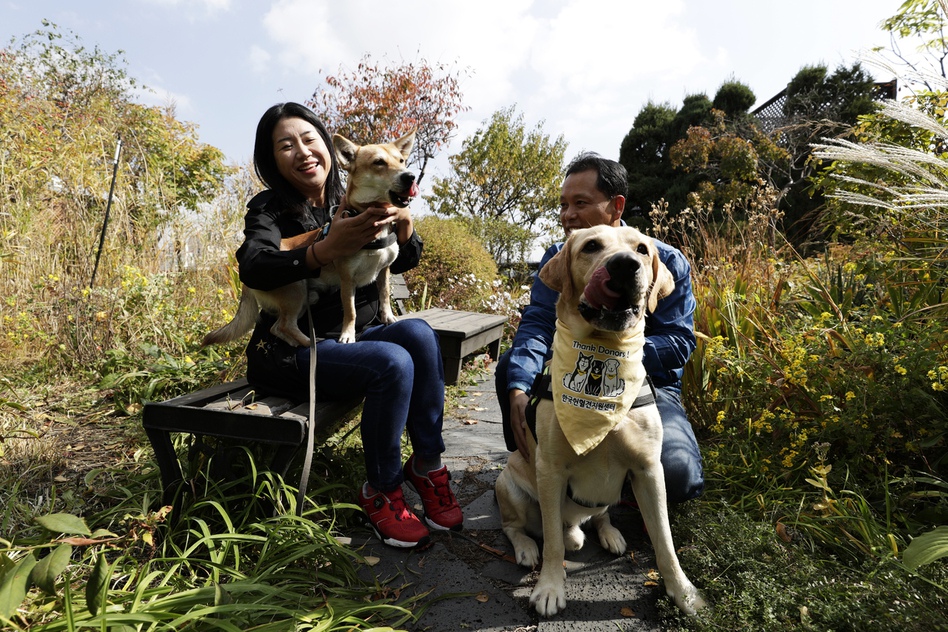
[(234, 411), (460, 333)]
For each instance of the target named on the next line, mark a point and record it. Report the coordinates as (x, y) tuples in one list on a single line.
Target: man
[(593, 193)]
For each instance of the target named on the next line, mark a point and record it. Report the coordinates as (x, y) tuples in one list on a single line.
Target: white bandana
[(595, 380)]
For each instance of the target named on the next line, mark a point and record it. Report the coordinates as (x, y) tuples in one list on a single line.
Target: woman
[(397, 368)]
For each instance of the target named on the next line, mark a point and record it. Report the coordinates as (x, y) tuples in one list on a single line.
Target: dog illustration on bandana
[(576, 380), (612, 384), (594, 383)]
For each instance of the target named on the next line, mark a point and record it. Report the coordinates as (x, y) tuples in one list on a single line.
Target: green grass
[(226, 563)]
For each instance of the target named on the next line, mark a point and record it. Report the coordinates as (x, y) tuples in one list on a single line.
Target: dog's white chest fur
[(364, 268)]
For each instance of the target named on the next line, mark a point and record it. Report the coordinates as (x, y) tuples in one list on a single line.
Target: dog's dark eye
[(379, 163), (642, 249), (592, 246)]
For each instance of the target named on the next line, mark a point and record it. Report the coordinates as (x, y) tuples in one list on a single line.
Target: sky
[(582, 69)]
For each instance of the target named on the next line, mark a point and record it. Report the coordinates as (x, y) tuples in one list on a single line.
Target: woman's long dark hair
[(264, 161)]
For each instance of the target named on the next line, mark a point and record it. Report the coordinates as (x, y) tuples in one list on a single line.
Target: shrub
[(456, 271)]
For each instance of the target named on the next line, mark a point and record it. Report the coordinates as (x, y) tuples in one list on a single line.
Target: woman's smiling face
[(302, 157)]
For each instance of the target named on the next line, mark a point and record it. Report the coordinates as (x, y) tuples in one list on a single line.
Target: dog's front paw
[(346, 337), (688, 598), (549, 597), (573, 537), (611, 539), (388, 318), (527, 553)]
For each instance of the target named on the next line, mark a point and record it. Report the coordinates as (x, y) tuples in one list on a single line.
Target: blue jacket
[(669, 332)]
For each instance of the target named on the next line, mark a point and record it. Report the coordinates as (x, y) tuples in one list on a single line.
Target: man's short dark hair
[(611, 177)]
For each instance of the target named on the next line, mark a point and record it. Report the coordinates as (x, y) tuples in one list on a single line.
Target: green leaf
[(13, 588), (64, 523), (926, 548), (5, 564), (46, 571), (98, 582)]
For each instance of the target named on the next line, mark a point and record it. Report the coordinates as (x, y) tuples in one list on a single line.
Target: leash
[(382, 242), (311, 426)]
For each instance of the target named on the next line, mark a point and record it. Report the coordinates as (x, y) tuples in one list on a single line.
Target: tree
[(734, 99), (924, 22), (505, 182), (680, 156), (376, 103), (728, 160), (644, 154), (63, 108)]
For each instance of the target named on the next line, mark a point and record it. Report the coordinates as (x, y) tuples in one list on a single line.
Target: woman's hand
[(348, 234)]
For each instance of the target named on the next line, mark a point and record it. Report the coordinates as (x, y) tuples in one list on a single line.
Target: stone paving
[(472, 579)]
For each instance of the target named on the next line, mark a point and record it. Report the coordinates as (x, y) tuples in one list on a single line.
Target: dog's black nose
[(622, 268), (406, 179)]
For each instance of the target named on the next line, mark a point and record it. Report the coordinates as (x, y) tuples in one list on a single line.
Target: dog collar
[(381, 242)]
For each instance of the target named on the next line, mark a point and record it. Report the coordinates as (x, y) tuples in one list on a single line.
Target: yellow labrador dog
[(376, 177), (607, 277)]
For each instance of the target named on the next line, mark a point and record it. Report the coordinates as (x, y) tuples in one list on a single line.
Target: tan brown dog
[(607, 278), (377, 177)]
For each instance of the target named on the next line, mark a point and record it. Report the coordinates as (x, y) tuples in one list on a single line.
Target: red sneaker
[(393, 523), (441, 507)]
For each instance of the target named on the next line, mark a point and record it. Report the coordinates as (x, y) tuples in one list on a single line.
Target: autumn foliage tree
[(505, 182), (377, 103), (731, 160), (703, 148)]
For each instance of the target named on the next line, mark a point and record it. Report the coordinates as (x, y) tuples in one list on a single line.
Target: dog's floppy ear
[(405, 144), (556, 271), (663, 283), (346, 151)]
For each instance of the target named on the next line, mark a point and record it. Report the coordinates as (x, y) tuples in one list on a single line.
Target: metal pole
[(108, 206)]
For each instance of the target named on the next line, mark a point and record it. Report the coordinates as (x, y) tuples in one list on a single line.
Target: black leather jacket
[(271, 362)]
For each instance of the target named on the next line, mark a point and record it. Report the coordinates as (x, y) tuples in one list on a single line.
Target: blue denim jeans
[(681, 458), (398, 369)]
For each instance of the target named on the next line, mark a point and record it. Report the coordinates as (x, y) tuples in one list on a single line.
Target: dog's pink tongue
[(413, 192), (597, 293)]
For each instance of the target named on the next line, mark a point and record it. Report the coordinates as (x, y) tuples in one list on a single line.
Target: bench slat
[(231, 411), (461, 334)]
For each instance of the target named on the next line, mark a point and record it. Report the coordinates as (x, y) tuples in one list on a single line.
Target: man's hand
[(518, 420)]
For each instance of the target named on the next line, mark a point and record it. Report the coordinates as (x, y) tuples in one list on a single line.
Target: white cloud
[(160, 97)]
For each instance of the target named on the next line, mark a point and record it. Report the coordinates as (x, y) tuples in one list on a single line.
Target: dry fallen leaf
[(61, 479), (482, 597), (371, 560), (469, 422), (782, 532), (627, 612), (653, 574)]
